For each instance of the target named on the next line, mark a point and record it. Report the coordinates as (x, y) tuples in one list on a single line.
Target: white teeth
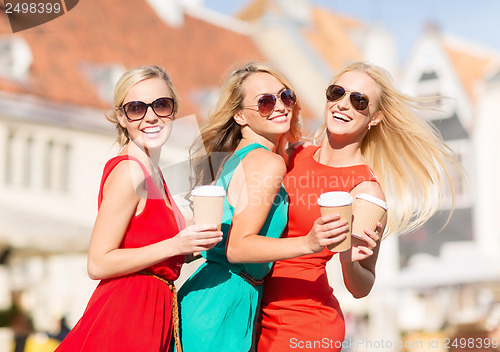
[(341, 117), (279, 119), (152, 129)]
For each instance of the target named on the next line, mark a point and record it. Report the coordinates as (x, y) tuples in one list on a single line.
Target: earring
[(369, 126)]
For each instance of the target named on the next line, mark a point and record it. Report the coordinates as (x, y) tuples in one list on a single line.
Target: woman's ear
[(376, 118), (239, 117), (121, 117)]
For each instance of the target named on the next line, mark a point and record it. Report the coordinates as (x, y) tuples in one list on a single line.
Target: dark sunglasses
[(136, 110), (267, 102), (359, 101)]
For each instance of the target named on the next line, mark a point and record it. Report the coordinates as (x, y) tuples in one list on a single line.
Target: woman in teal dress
[(243, 145)]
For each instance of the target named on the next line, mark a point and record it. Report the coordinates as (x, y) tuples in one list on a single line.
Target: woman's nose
[(150, 115), (344, 102), (280, 106)]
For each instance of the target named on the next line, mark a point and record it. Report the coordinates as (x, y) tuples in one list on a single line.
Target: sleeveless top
[(298, 302), (273, 226), (220, 302), (156, 220), (133, 313)]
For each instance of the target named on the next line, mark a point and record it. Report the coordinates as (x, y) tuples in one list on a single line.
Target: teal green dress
[(220, 301)]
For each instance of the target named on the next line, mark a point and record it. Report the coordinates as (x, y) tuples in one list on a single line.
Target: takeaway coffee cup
[(367, 211), (338, 203), (208, 202)]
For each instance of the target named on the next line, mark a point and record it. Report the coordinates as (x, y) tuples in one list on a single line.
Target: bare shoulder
[(127, 177), (264, 162), (369, 187)]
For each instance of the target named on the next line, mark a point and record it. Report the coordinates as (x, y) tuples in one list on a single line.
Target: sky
[(477, 21)]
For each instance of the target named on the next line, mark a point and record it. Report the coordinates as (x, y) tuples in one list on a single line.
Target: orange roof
[(471, 64), (125, 32), (331, 35)]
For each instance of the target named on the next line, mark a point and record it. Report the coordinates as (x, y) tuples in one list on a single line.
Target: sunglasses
[(267, 102), (136, 110), (359, 101)]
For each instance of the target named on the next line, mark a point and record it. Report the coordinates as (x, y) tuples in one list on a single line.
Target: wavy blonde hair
[(406, 153), (123, 86), (220, 134)]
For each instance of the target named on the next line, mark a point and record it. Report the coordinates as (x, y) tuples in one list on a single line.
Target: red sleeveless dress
[(299, 311), (133, 313)]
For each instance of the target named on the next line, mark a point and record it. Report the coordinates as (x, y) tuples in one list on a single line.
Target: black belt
[(250, 279), (244, 275)]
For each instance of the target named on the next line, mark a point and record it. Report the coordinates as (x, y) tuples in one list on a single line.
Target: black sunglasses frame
[(150, 105), (275, 98), (354, 97)]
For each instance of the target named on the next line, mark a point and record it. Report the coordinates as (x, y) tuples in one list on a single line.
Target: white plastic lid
[(373, 200), (209, 191), (334, 199)]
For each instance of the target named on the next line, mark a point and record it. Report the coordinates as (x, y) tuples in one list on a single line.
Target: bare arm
[(120, 201), (358, 264), (258, 183)]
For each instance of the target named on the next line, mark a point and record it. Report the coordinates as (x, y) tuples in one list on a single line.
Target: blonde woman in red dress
[(370, 130), (139, 238)]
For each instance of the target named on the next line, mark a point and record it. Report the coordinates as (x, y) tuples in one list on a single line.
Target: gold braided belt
[(175, 307)]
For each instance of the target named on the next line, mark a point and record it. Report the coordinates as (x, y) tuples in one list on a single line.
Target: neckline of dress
[(317, 148)]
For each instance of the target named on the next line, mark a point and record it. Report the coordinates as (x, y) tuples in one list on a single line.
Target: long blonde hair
[(406, 153), (220, 134), (123, 86)]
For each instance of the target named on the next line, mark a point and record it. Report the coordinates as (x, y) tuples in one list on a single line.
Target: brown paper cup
[(208, 203), (338, 203), (367, 211)]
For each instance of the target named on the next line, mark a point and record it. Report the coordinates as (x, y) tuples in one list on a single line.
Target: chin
[(145, 142), (285, 127), (153, 145), (338, 128)]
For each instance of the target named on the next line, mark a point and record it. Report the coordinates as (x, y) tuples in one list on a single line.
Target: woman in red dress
[(139, 238), (369, 126)]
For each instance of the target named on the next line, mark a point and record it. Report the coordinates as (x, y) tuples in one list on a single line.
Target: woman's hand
[(197, 238), (362, 247), (327, 230)]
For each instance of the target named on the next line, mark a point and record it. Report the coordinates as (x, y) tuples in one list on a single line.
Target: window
[(48, 169), (56, 165), (104, 78), (28, 157), (28, 162), (65, 169), (15, 58), (9, 165), (429, 87), (461, 149)]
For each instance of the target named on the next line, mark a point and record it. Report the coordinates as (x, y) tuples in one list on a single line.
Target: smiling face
[(151, 132), (272, 126), (345, 122)]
